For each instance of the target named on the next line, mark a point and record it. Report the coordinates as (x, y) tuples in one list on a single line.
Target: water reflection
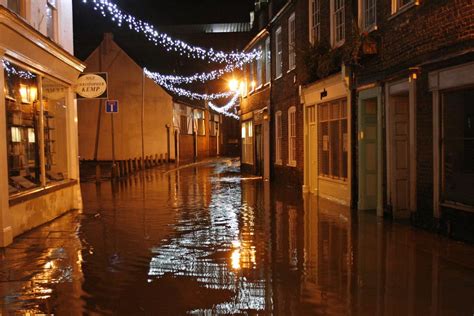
[(206, 240)]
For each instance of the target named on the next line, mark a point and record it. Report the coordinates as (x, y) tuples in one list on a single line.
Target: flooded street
[(206, 240)]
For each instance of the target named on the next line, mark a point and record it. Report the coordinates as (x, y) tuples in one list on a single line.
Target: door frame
[(370, 93), (404, 85)]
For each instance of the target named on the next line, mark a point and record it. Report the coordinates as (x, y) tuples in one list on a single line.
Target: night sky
[(89, 27)]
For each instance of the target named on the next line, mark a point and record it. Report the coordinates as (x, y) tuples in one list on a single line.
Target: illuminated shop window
[(247, 142), (333, 139)]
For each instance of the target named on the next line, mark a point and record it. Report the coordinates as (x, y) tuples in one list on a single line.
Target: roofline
[(264, 32)]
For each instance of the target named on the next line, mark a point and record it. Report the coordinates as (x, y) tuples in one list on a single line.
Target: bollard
[(156, 160), (134, 164), (161, 158), (119, 169), (167, 158), (129, 166)]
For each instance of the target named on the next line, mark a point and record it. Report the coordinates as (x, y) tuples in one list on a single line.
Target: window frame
[(259, 81), (335, 42), (397, 7), (314, 15), (268, 61), (292, 42), (278, 53), (363, 10), (278, 138), (292, 146), (53, 6)]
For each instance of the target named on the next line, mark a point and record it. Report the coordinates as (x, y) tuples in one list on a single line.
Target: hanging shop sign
[(92, 86)]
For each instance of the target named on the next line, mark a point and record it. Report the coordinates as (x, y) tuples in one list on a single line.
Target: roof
[(239, 27)]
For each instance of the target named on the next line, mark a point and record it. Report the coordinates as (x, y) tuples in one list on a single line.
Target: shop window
[(458, 146), (55, 130), (51, 19), (247, 142), (184, 124), (22, 113), (333, 139), (200, 122), (278, 138), (214, 125), (292, 136)]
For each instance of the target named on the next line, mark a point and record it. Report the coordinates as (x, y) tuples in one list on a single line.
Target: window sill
[(279, 162), (458, 206), (290, 70), (340, 181), (403, 9), (338, 44), (292, 164), (280, 76), (29, 195), (370, 29)]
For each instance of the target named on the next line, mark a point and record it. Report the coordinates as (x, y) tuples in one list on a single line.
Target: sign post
[(111, 106)]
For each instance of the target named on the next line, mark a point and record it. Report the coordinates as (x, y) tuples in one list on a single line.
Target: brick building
[(197, 132), (255, 103), (406, 69), (425, 79), (289, 41)]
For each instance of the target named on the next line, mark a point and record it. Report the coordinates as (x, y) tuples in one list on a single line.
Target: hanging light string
[(108, 8), (201, 77), (183, 92), (11, 70), (225, 109)]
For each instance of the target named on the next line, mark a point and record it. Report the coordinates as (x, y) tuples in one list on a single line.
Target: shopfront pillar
[(6, 234)]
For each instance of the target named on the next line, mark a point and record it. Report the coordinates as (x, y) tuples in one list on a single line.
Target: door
[(368, 154), (400, 154), (313, 149), (258, 150)]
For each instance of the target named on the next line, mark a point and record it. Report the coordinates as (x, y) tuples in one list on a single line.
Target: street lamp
[(234, 85)]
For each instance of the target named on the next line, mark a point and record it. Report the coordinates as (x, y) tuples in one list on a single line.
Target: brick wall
[(285, 92)]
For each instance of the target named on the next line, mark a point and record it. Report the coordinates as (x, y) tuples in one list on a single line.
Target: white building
[(38, 131)]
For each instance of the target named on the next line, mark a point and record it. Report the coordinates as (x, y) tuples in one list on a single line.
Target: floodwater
[(206, 240)]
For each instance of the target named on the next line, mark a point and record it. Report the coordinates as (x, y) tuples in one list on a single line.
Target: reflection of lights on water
[(236, 259)]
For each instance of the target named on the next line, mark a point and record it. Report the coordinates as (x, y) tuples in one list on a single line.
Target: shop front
[(38, 129), (327, 139)]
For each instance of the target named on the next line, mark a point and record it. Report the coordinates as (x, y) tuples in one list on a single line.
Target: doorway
[(399, 143), (258, 150), (313, 149), (368, 151)]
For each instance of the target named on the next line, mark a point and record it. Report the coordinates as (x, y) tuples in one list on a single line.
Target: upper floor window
[(278, 138), (260, 70), (292, 136), (268, 60), (338, 33), (279, 53), (51, 19), (291, 42), (15, 6), (400, 4), (314, 20), (368, 10)]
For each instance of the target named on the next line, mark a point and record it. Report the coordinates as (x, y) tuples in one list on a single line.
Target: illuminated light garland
[(11, 70), (107, 7), (202, 77), (183, 92), (225, 109)]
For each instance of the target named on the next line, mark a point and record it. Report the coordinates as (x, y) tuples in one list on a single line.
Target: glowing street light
[(234, 85)]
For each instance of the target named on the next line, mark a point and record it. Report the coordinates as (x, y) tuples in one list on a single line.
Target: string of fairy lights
[(11, 70), (232, 60)]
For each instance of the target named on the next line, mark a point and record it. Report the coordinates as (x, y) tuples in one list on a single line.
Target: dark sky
[(89, 27), (89, 24)]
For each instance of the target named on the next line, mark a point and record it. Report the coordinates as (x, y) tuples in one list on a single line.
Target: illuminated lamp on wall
[(28, 94)]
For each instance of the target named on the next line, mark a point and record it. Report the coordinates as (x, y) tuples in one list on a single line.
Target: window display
[(22, 113)]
